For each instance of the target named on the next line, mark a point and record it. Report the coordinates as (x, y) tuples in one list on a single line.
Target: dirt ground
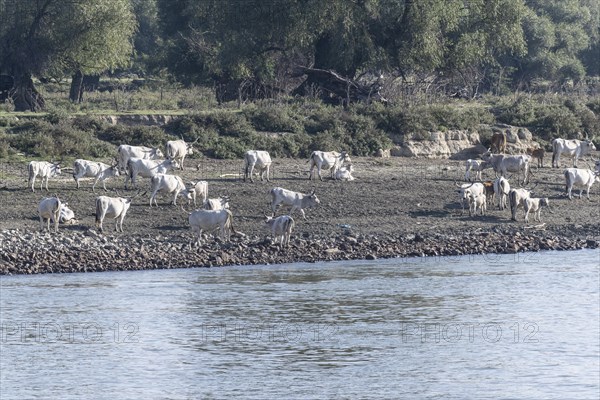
[(389, 196)]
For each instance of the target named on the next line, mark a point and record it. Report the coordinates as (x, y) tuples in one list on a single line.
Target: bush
[(272, 119)]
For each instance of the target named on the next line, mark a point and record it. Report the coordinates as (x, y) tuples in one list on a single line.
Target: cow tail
[(230, 222), (30, 171), (568, 181), (554, 151)]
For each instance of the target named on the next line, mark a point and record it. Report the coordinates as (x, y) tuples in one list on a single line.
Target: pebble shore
[(26, 252)]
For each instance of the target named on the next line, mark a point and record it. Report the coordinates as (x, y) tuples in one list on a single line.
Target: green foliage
[(272, 119), (133, 135), (560, 118), (43, 139)]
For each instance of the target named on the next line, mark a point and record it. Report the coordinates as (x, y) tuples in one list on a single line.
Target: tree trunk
[(76, 92), (25, 95)]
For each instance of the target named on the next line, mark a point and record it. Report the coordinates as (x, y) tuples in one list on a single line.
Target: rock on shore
[(25, 252)]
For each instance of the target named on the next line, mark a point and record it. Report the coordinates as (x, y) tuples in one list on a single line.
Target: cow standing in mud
[(328, 160), (259, 159), (298, 201)]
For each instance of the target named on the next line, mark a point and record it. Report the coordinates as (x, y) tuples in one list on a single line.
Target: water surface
[(523, 326)]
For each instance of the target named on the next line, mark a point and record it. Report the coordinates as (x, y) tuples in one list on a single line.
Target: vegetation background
[(291, 76)]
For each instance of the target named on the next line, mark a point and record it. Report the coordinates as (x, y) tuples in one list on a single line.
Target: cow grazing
[(583, 178), (125, 152), (259, 159), (328, 160), (147, 168), (94, 169), (477, 202), (476, 166), (572, 148), (44, 169), (49, 209), (210, 220), (498, 144), (298, 201), (344, 173), (501, 189), (217, 204), (178, 149), (167, 183), (199, 189), (467, 190), (535, 204), (537, 154), (111, 207), (281, 229), (517, 199)]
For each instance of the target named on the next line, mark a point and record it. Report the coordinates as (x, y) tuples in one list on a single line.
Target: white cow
[(217, 204), (125, 152), (573, 148), (49, 209), (281, 229), (259, 159), (199, 188), (100, 171), (111, 207), (44, 169), (328, 160), (583, 178), (517, 199), (167, 183), (66, 215), (298, 201), (516, 164), (178, 149), (476, 166), (344, 173), (535, 204), (147, 168), (501, 190), (467, 190), (210, 220), (477, 201)]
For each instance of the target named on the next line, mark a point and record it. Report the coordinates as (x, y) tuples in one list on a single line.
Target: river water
[(523, 326)]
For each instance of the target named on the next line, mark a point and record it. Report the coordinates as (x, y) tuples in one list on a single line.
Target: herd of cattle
[(479, 194), (134, 161)]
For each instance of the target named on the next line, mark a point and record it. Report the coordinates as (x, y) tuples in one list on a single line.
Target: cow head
[(313, 199), (157, 153), (590, 145)]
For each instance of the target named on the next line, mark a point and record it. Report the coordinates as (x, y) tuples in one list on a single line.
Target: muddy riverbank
[(396, 207)]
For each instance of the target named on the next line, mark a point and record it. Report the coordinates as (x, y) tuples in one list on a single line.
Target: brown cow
[(537, 153), (498, 143)]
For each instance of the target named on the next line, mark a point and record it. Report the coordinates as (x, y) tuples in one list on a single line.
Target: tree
[(561, 35), (76, 36)]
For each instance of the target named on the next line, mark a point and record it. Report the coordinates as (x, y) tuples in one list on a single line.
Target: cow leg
[(252, 173), (268, 169)]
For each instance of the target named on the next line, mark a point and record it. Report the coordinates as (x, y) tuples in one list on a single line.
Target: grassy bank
[(287, 127)]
